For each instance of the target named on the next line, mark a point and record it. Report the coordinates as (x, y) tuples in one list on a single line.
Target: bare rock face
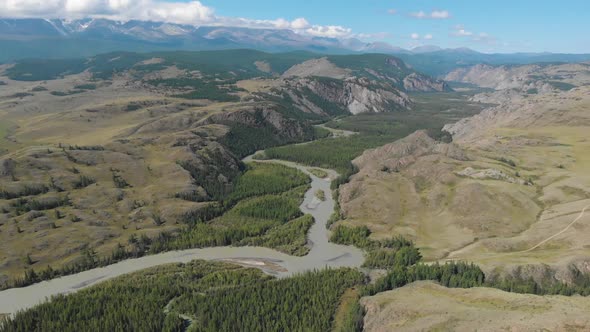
[(355, 95), (543, 274), (421, 83), (259, 117), (526, 78), (489, 174), (395, 62), (361, 99), (515, 110)]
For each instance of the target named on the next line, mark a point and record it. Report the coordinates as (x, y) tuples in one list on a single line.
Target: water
[(322, 254)]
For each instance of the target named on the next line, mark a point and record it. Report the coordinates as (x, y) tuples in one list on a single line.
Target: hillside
[(439, 63), (513, 177), (531, 79), (425, 306), (96, 153)]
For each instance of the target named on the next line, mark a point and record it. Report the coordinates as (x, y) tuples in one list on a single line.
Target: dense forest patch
[(431, 112), (215, 296), (262, 211)]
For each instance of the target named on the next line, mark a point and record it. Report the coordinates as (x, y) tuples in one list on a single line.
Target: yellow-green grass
[(318, 172), (320, 194), (347, 301), (562, 182), (426, 306)]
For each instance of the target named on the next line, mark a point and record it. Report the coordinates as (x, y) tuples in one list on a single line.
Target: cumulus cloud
[(334, 31), (440, 14), (435, 14), (190, 13), (193, 12), (300, 23), (416, 36), (460, 31), (484, 38)]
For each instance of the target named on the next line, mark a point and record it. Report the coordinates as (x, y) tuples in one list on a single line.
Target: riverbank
[(322, 254)]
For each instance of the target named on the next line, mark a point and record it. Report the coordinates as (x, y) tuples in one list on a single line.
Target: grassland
[(499, 210), (560, 191), (428, 306), (158, 162)]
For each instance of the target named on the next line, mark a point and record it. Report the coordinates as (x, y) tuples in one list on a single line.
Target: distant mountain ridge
[(55, 38), (149, 36)]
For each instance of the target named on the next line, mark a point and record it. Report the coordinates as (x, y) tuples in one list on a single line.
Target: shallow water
[(322, 254)]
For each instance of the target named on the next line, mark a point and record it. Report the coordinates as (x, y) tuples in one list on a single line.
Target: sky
[(504, 26)]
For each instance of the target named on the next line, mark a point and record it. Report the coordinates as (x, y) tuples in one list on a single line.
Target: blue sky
[(484, 25), (490, 26)]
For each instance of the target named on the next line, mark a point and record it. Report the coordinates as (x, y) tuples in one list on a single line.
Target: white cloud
[(300, 23), (391, 11), (428, 37), (415, 36), (420, 14), (460, 31), (333, 31), (484, 38), (440, 14), (463, 32), (190, 13), (193, 12), (435, 14)]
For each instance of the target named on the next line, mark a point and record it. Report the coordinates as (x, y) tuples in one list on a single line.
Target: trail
[(580, 216), (536, 246)]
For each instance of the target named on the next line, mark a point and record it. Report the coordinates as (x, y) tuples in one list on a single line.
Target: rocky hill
[(503, 194), (94, 151), (535, 78), (384, 69), (353, 95)]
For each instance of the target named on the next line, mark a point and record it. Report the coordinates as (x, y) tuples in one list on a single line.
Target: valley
[(218, 180), (504, 194), (154, 167), (320, 254)]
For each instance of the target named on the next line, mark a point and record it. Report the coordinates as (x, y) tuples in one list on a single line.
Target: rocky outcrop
[(515, 110), (543, 274), (354, 95), (489, 174), (396, 73), (317, 67), (261, 117), (421, 83), (531, 79)]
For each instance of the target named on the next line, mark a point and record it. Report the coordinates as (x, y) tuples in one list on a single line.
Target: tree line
[(216, 296), (267, 215)]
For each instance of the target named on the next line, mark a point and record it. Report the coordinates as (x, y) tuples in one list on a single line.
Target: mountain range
[(54, 38)]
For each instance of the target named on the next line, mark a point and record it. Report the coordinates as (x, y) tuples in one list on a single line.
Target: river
[(322, 254)]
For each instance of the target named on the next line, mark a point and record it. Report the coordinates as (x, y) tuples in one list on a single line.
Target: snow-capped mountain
[(158, 35), (44, 38)]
